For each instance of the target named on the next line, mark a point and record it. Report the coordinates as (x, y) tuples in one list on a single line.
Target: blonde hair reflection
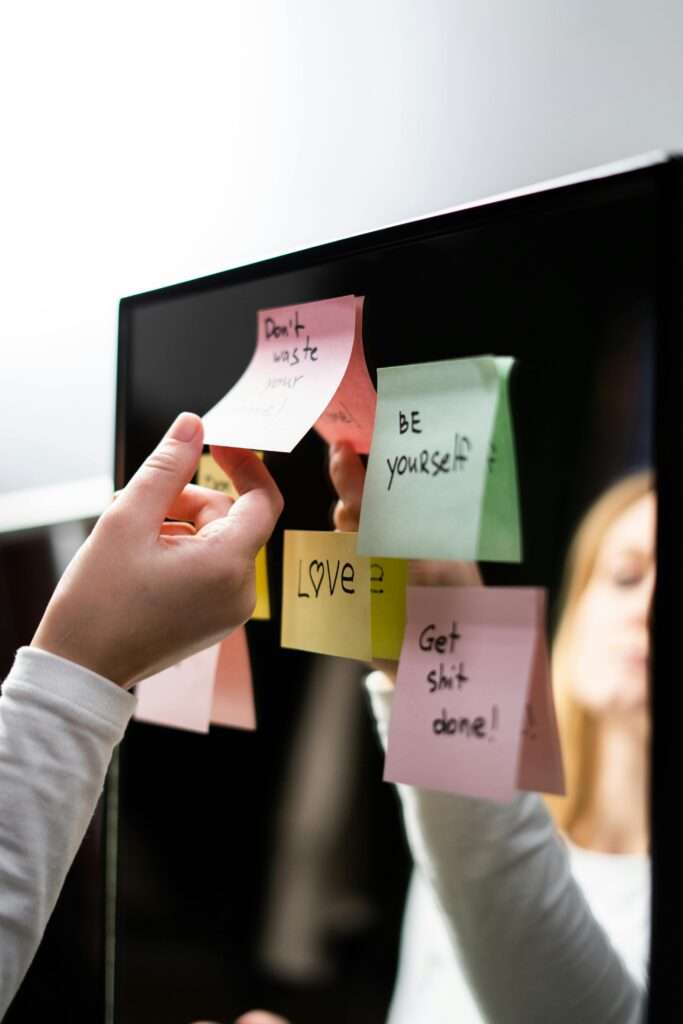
[(576, 726)]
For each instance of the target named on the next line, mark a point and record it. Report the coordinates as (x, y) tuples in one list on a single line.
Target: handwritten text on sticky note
[(210, 474), (301, 355), (326, 594), (427, 491), (388, 582), (462, 689)]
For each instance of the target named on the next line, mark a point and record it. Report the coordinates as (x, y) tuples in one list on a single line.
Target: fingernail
[(185, 427)]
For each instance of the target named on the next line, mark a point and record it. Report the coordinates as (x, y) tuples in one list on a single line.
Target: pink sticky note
[(350, 416), (462, 687), (301, 356), (181, 696), (233, 696), (540, 755)]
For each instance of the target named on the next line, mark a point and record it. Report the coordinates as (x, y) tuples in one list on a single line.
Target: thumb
[(152, 490)]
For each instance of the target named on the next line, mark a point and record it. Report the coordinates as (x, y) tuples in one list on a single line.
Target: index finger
[(259, 505)]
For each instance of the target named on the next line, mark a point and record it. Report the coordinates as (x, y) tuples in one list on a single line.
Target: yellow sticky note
[(210, 474), (262, 608), (388, 582), (326, 594)]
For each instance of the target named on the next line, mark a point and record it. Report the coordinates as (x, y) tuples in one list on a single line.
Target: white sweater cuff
[(73, 684)]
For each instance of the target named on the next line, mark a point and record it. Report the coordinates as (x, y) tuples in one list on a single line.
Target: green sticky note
[(388, 582), (435, 486), (500, 536)]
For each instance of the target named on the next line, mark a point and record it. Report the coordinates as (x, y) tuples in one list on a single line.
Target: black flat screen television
[(580, 282)]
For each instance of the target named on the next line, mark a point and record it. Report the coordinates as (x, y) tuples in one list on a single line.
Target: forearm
[(59, 725), (529, 943)]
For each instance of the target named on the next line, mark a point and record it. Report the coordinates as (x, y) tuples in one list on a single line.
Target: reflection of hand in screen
[(348, 478)]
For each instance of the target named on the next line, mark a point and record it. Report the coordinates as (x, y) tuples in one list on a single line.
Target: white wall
[(144, 143)]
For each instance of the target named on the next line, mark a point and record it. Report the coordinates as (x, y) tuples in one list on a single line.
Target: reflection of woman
[(600, 667), (600, 678), (495, 881)]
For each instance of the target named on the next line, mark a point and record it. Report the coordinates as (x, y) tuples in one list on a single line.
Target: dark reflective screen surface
[(270, 869)]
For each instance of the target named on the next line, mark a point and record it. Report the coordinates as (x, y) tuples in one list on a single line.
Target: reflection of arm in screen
[(528, 941), (544, 928)]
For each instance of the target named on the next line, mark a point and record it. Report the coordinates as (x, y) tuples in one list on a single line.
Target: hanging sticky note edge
[(500, 531)]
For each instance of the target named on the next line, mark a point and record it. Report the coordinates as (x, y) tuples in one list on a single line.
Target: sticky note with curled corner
[(540, 756), (350, 416), (233, 694), (181, 696), (500, 533), (210, 474), (388, 583), (326, 595), (461, 690), (301, 355), (430, 461)]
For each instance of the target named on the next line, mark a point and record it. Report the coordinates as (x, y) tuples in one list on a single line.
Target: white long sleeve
[(59, 724), (530, 946)]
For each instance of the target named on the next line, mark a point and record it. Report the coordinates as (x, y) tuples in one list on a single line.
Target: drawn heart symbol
[(316, 570)]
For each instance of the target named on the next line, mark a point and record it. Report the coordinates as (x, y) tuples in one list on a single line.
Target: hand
[(142, 594), (348, 478)]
